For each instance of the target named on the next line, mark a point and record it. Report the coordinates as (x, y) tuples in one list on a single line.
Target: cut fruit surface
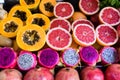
[(31, 37), (48, 58), (58, 38), (84, 35), (89, 55), (60, 22), (109, 15), (26, 60), (81, 21), (89, 7), (109, 55), (106, 35), (64, 10), (70, 57)]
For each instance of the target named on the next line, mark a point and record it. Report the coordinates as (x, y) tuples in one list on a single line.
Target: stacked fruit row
[(52, 34)]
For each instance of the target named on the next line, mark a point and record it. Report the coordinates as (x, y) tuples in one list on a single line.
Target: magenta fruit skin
[(29, 66), (90, 59), (9, 60), (48, 58), (76, 57), (114, 55)]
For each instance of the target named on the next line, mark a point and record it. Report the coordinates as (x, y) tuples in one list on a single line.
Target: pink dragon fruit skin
[(109, 55), (89, 55), (48, 58), (26, 60), (70, 57), (8, 57)]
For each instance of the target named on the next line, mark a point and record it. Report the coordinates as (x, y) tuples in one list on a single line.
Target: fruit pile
[(50, 40)]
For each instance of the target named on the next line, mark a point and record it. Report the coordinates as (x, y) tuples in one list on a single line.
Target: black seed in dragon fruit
[(109, 55), (89, 55), (7, 57), (48, 58), (26, 60), (70, 57)]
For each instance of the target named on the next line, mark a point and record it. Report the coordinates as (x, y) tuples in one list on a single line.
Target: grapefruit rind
[(102, 21), (81, 43), (57, 48), (88, 13), (80, 20), (66, 17), (68, 23), (100, 41)]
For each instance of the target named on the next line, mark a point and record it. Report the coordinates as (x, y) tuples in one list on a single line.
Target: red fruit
[(84, 35), (58, 38), (92, 73), (118, 30), (60, 22), (64, 10), (10, 74), (67, 74), (48, 58), (109, 55), (70, 57), (81, 21), (106, 35), (39, 74), (26, 60), (109, 15), (7, 57), (89, 55), (89, 7), (113, 72)]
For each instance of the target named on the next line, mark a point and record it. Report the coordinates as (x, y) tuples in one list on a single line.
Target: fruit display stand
[(60, 40)]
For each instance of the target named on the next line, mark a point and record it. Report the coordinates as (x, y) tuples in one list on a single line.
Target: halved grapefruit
[(84, 35), (118, 30), (60, 22), (109, 15), (82, 21), (58, 38), (89, 7), (64, 10), (106, 35)]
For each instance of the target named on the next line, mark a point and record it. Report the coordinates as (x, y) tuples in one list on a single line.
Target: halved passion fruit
[(39, 19), (30, 4), (31, 37), (21, 12), (47, 6), (10, 26)]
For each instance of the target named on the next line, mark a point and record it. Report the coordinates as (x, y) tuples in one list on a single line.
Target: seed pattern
[(25, 61), (30, 37), (21, 15), (38, 21), (70, 57), (48, 7), (109, 55), (29, 2), (10, 27)]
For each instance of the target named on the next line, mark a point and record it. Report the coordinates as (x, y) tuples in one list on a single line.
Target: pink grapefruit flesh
[(89, 7), (109, 15), (106, 35), (64, 10), (59, 38), (82, 21), (84, 35), (60, 22)]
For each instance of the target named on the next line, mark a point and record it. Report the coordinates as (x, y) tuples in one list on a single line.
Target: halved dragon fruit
[(70, 57), (109, 55), (48, 58), (89, 55), (26, 60), (7, 57)]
